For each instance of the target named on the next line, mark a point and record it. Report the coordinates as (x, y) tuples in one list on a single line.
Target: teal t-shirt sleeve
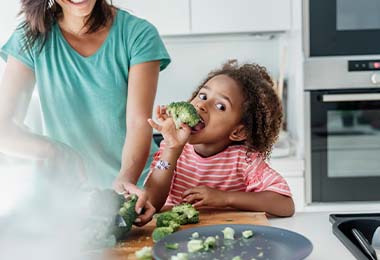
[(147, 46), (14, 47)]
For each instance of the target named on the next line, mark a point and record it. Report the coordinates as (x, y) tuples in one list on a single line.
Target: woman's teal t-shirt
[(83, 99)]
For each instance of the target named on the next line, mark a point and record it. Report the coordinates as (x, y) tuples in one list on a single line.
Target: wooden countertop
[(141, 236)]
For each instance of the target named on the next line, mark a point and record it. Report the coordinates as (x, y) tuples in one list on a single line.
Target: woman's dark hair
[(261, 109), (39, 19)]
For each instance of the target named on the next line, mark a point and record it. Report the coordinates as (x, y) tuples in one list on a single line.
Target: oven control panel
[(363, 65)]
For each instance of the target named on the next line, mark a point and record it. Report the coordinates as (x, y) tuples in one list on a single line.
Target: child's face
[(219, 103)]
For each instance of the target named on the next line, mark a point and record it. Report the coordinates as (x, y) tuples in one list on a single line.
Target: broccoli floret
[(128, 214), (161, 232), (228, 233), (194, 245), (210, 242), (195, 235), (183, 112), (114, 210), (180, 256), (247, 233), (187, 213), (168, 219), (144, 253)]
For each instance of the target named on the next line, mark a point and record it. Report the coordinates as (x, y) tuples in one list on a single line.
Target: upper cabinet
[(171, 17), (183, 17), (234, 16)]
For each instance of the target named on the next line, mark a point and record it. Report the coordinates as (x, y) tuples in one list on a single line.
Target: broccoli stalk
[(183, 112)]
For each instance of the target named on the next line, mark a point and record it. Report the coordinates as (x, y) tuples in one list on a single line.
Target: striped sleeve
[(261, 177)]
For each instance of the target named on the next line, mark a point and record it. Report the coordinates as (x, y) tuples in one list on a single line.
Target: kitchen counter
[(318, 229)]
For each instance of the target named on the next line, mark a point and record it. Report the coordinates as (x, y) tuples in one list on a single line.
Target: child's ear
[(238, 134)]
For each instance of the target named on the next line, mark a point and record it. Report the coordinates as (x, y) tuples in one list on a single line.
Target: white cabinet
[(183, 17), (171, 17), (234, 16)]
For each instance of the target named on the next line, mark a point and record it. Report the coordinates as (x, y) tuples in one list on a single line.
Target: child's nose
[(201, 106)]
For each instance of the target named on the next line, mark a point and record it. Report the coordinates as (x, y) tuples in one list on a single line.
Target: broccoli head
[(168, 219), (109, 216), (183, 112), (187, 213), (161, 232)]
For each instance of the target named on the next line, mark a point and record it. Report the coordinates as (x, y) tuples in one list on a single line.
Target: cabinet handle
[(351, 97)]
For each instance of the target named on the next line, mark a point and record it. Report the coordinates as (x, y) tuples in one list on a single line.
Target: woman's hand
[(143, 207), (204, 196), (174, 138)]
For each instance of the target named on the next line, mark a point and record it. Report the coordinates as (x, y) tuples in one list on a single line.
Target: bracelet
[(162, 165)]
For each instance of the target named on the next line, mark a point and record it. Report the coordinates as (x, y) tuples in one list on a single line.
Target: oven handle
[(351, 97)]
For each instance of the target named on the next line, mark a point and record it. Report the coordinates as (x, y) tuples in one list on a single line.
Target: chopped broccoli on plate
[(228, 233)]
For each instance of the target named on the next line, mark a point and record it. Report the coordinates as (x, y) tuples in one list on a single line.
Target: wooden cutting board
[(141, 236)]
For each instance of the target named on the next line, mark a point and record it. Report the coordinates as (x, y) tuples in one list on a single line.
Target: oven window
[(358, 15), (353, 143)]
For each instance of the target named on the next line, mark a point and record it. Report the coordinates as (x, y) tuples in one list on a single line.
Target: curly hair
[(261, 110)]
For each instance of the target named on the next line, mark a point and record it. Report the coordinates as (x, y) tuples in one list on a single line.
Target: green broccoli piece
[(247, 233), (171, 245), (128, 214), (161, 232), (228, 233), (183, 112), (194, 245), (115, 214), (187, 213), (210, 242), (167, 219), (144, 253)]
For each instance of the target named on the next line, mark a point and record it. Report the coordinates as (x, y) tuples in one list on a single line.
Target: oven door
[(345, 145), (344, 27)]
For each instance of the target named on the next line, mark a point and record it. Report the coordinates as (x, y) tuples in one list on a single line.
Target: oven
[(342, 99), (344, 144)]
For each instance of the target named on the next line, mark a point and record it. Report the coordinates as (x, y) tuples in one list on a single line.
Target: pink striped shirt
[(229, 170)]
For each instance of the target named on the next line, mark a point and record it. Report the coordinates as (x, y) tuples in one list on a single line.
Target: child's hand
[(204, 196), (174, 138)]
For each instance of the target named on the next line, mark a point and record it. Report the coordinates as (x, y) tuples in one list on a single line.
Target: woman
[(96, 68)]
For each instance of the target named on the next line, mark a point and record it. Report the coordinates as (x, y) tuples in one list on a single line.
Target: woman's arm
[(15, 93), (142, 86), (270, 202)]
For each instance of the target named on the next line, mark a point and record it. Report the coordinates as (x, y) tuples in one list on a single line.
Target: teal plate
[(267, 243)]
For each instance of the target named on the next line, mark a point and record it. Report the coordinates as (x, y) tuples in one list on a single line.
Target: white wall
[(193, 57)]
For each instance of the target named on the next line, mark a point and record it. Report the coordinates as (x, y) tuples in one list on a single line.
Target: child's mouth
[(195, 129)]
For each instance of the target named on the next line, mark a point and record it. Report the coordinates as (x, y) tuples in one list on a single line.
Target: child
[(221, 162)]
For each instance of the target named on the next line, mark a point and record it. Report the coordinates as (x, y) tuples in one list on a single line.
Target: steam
[(42, 217)]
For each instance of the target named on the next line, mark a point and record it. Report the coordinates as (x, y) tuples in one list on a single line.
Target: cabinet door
[(233, 16), (171, 17)]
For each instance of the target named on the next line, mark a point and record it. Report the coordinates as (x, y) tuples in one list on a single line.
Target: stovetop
[(366, 223)]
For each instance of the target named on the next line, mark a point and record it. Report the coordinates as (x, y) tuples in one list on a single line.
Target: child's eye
[(220, 107), (202, 96)]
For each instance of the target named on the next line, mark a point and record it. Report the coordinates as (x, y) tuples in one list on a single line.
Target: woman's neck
[(73, 25)]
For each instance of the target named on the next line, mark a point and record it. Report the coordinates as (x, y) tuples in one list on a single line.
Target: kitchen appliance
[(342, 100), (366, 224)]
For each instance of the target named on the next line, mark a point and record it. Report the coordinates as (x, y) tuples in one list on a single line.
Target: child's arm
[(268, 201), (158, 184)]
